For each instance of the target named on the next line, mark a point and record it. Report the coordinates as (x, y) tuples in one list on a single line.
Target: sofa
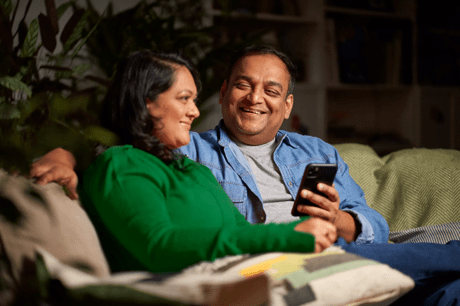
[(50, 253)]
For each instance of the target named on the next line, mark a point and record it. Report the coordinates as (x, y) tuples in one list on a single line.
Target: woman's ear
[(149, 103)]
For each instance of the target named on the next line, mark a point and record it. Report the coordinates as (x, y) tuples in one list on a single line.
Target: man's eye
[(241, 85), (272, 93)]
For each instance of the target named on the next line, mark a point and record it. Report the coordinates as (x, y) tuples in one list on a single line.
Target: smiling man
[(260, 167), (255, 98)]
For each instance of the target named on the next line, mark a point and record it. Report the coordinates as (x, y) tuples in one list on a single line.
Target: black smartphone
[(312, 176)]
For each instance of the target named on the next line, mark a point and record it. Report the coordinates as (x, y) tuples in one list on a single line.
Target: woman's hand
[(325, 232), (57, 166)]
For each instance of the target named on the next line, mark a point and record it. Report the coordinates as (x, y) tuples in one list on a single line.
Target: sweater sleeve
[(132, 202)]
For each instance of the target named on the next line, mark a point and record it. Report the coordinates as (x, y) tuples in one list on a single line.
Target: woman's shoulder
[(126, 158)]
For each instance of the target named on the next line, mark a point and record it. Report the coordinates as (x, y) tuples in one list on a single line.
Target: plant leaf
[(28, 48), (7, 6), (62, 8), (101, 135), (47, 33), (15, 84), (80, 45), (57, 68), (8, 111), (29, 106), (52, 15), (6, 36), (71, 24), (75, 34), (82, 68)]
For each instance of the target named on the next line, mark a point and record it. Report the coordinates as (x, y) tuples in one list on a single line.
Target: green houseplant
[(41, 104)]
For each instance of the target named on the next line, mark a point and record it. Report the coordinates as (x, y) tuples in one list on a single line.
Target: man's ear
[(289, 104), (223, 89)]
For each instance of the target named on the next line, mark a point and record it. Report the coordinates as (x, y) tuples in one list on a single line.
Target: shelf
[(362, 66), (366, 13), (266, 17), (365, 87)]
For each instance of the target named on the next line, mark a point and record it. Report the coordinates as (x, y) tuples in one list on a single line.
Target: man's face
[(254, 102)]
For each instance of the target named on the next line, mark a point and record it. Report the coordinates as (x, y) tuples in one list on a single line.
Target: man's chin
[(249, 131)]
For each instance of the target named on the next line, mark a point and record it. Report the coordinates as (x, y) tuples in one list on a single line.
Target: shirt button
[(290, 184)]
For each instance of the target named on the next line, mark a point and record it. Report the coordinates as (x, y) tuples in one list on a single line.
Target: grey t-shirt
[(275, 196)]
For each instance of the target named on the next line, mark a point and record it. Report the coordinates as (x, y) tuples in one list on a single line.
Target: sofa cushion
[(33, 216), (410, 188), (332, 277)]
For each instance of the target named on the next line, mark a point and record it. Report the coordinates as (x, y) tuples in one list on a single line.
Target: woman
[(161, 212)]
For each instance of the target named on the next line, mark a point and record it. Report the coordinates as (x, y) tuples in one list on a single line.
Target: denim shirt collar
[(224, 139)]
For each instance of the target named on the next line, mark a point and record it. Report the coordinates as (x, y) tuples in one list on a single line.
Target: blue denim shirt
[(219, 153)]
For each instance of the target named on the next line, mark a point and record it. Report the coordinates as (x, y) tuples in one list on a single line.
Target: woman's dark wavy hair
[(143, 75)]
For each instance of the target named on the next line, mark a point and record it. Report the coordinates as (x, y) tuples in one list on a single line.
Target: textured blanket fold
[(410, 188)]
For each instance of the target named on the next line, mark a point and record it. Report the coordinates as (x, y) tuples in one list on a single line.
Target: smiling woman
[(176, 110), (151, 102)]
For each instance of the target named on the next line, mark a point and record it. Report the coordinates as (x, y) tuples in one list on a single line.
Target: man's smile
[(253, 111)]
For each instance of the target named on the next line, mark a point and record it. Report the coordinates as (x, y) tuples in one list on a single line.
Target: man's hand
[(57, 166), (328, 209), (325, 232)]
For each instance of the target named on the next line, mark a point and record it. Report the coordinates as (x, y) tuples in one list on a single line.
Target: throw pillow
[(33, 216), (333, 277)]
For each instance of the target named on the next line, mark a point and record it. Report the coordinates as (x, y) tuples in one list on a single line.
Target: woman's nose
[(193, 111)]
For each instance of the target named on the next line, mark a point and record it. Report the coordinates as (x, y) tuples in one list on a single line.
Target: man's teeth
[(249, 111)]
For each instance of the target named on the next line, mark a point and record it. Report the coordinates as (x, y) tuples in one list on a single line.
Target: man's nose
[(255, 96)]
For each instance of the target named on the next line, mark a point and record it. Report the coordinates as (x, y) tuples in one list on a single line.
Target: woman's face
[(176, 110)]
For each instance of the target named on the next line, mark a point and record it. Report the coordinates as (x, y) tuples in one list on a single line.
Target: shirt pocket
[(237, 193), (297, 170)]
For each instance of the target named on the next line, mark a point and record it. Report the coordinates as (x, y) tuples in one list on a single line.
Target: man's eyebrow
[(273, 83), (269, 83)]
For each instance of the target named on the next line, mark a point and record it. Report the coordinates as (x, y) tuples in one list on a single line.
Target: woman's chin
[(178, 144)]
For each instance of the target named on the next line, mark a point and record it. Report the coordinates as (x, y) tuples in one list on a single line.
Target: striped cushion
[(441, 233)]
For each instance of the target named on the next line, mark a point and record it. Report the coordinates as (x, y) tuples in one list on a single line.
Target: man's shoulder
[(306, 141), (200, 142)]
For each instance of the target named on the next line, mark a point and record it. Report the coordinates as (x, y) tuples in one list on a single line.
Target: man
[(259, 166)]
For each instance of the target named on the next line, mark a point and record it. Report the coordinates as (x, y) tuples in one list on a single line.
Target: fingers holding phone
[(325, 205)]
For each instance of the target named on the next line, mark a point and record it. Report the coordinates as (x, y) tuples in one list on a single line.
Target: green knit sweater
[(164, 217)]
